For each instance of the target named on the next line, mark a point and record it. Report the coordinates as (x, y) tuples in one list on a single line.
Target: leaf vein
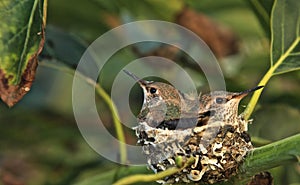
[(272, 33), (298, 26), (285, 71), (294, 53), (12, 39), (30, 22), (13, 7), (282, 28), (286, 54)]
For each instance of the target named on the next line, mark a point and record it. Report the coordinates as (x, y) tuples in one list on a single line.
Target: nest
[(218, 149)]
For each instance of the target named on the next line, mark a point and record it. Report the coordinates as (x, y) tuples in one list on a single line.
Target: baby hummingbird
[(218, 143), (212, 132), (219, 109), (164, 106), (222, 105)]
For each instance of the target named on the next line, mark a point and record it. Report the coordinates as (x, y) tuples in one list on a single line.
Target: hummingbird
[(166, 107), (218, 143), (219, 109), (174, 125), (222, 105)]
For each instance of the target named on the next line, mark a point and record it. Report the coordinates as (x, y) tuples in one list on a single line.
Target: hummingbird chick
[(166, 107), (222, 105), (207, 128)]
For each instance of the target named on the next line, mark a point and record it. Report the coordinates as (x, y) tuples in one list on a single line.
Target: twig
[(153, 177), (101, 92)]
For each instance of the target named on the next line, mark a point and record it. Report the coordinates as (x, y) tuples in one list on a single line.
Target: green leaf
[(285, 47), (63, 46), (262, 9), (282, 22), (21, 40), (285, 25)]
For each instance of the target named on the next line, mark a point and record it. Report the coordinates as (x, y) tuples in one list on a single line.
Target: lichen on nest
[(218, 149)]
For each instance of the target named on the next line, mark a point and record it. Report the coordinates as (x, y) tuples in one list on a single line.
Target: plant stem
[(45, 5), (117, 124), (271, 155), (101, 92), (250, 108), (153, 177), (147, 178)]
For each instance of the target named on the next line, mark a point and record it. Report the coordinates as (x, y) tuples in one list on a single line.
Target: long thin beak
[(246, 92), (136, 78)]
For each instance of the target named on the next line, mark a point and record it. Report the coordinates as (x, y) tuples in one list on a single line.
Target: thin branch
[(117, 123), (254, 99), (101, 92), (147, 178), (45, 5), (153, 177)]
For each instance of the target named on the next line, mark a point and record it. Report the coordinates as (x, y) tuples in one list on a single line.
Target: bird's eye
[(152, 90), (221, 100)]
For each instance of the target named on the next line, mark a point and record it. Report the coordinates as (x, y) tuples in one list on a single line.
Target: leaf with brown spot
[(21, 41)]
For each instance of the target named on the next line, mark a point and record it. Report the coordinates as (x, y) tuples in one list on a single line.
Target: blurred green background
[(39, 139)]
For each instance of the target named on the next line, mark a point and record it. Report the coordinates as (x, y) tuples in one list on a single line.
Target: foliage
[(285, 37), (21, 41), (56, 153)]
